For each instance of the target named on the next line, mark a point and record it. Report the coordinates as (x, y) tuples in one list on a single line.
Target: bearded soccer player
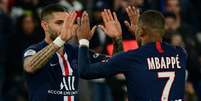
[(154, 72), (51, 65)]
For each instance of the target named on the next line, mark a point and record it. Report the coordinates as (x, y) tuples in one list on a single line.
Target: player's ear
[(144, 30), (44, 25)]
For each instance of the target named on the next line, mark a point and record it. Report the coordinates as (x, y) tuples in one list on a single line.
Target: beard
[(53, 35)]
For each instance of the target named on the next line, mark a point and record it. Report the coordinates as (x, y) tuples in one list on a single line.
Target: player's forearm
[(83, 60), (89, 70), (118, 47), (35, 62), (86, 70)]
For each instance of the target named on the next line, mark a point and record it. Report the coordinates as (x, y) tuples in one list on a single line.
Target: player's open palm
[(84, 31), (68, 26), (133, 14), (111, 26)]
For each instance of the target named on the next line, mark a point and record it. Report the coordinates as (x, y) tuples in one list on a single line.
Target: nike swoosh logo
[(53, 65)]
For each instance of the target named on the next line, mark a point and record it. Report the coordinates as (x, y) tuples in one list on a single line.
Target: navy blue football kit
[(58, 79), (154, 72)]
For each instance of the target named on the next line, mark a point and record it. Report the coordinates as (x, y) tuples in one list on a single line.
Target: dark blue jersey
[(151, 74), (58, 79)]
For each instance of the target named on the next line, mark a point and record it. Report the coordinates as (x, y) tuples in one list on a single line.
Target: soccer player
[(51, 65), (154, 72)]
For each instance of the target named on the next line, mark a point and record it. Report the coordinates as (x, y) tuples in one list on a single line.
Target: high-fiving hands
[(68, 27), (84, 31), (133, 14), (111, 26)]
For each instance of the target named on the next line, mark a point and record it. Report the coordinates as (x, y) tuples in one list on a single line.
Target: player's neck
[(152, 40), (155, 37)]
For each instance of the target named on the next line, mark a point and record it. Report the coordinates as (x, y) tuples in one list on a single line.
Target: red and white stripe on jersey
[(69, 98), (65, 65), (66, 71)]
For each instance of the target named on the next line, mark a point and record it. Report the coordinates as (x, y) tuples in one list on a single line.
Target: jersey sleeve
[(88, 70), (30, 51)]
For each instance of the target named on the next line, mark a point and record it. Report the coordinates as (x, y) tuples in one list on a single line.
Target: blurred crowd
[(20, 27)]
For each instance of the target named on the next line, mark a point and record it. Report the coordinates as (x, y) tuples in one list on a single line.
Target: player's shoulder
[(135, 52), (38, 46), (142, 49), (34, 48), (126, 55), (178, 49), (182, 51), (151, 47)]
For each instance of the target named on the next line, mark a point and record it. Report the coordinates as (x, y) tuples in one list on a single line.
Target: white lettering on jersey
[(68, 83), (155, 63), (63, 84)]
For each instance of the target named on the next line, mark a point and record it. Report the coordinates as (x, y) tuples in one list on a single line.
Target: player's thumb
[(93, 30), (102, 28), (127, 24)]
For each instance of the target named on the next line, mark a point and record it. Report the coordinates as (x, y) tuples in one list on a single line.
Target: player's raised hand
[(111, 26), (133, 14), (68, 26), (84, 31)]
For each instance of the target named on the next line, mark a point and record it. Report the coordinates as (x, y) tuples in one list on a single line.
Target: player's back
[(156, 73)]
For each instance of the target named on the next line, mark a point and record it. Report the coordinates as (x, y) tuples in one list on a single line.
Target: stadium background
[(20, 27)]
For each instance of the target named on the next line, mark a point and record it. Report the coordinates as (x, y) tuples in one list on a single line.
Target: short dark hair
[(153, 21), (48, 10)]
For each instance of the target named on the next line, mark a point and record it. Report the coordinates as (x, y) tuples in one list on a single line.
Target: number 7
[(168, 85)]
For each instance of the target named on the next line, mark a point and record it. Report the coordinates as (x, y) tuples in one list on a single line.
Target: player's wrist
[(59, 42), (117, 38), (84, 42)]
